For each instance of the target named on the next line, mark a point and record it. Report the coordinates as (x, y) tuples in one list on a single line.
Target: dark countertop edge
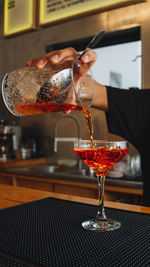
[(121, 182)]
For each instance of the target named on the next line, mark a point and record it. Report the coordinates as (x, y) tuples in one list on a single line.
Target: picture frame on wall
[(51, 11), (19, 16)]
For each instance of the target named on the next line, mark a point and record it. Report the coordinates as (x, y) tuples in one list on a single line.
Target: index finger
[(61, 54), (53, 57)]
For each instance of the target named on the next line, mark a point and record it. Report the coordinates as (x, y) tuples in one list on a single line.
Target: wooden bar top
[(11, 196)]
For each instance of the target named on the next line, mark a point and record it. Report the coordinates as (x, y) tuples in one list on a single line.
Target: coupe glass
[(100, 156)]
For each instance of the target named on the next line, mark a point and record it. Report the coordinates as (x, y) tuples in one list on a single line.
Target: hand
[(65, 57)]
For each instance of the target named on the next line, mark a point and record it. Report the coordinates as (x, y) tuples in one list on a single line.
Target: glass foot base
[(101, 225)]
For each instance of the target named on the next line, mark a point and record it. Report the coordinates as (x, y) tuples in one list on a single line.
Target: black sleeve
[(129, 114)]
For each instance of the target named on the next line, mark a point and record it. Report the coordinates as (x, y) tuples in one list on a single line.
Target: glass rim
[(100, 141), (4, 93)]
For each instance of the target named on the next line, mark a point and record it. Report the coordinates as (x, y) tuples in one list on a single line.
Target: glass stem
[(101, 211)]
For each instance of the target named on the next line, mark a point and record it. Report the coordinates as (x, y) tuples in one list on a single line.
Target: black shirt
[(129, 117)]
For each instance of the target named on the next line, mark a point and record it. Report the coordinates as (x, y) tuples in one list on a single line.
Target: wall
[(115, 65), (16, 51)]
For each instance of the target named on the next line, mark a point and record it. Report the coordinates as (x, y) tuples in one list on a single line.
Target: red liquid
[(40, 108), (88, 118), (100, 159)]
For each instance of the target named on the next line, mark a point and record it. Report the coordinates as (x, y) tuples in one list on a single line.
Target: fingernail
[(55, 58), (86, 59), (29, 63), (41, 62)]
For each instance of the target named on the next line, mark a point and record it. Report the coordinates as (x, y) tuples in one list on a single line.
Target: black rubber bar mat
[(48, 232)]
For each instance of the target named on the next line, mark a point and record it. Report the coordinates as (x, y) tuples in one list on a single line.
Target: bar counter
[(11, 195), (72, 182), (39, 228)]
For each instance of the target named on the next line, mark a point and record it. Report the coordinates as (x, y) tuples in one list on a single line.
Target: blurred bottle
[(133, 168), (15, 130)]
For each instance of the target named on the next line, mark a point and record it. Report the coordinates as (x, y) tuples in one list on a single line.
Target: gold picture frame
[(51, 11), (19, 16)]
